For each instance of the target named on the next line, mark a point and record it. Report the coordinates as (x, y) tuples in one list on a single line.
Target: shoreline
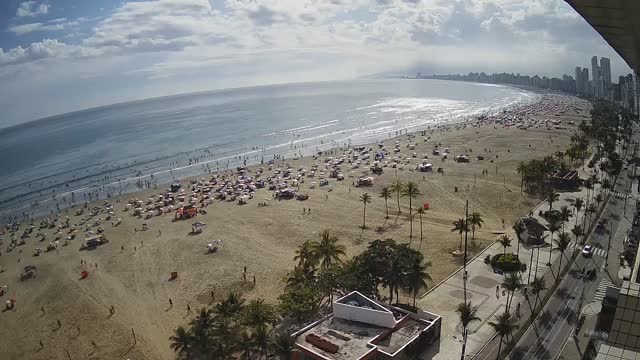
[(134, 184)]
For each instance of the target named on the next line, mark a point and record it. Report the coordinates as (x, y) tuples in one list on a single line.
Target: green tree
[(505, 241), (415, 279), (562, 244), (519, 229), (512, 283), (461, 227), (385, 193), (577, 233), (523, 169), (181, 342), (327, 250), (476, 221), (578, 204), (537, 287), (261, 339), (259, 313), (306, 257), (300, 302), (398, 188), (230, 307), (553, 226), (467, 313), (283, 345), (504, 325), (552, 197), (365, 199), (565, 215), (411, 191)]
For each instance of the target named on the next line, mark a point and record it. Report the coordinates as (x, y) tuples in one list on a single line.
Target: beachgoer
[(170, 302)]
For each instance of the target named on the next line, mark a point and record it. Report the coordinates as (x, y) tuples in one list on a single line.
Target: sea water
[(81, 156)]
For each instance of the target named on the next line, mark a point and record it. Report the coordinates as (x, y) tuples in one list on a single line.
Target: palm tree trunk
[(390, 294), (410, 222), (420, 246), (364, 216), (460, 241), (499, 348), (398, 196), (386, 207)]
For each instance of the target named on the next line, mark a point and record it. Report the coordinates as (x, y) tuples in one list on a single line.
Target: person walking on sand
[(170, 302), (188, 309)]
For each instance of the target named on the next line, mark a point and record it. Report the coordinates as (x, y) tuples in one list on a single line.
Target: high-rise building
[(586, 89), (579, 88), (605, 68), (597, 78)]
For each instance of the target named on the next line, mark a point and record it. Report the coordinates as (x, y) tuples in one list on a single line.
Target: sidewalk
[(481, 289)]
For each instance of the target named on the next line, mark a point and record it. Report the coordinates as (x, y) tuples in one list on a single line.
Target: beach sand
[(136, 280)]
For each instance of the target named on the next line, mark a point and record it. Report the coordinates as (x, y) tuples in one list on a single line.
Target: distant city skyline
[(599, 85)]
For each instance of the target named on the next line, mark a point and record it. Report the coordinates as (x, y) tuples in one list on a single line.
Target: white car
[(587, 251)]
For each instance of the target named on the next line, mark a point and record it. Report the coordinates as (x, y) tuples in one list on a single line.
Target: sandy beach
[(131, 272)]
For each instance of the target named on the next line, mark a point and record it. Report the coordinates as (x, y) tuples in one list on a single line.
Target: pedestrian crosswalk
[(600, 252), (602, 290)]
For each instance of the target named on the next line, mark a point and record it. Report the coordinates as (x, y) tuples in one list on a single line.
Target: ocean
[(85, 155)]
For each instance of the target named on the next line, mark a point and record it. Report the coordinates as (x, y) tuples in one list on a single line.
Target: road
[(547, 336)]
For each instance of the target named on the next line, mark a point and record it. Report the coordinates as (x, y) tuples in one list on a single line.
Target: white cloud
[(51, 25), (29, 8), (192, 45)]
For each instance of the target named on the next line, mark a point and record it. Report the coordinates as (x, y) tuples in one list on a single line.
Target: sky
[(58, 56)]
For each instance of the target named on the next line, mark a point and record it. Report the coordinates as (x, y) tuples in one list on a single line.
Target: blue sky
[(61, 55)]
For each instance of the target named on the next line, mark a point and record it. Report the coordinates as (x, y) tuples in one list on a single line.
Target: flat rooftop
[(351, 337)]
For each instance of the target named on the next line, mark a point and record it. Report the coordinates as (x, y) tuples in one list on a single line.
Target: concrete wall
[(368, 316)]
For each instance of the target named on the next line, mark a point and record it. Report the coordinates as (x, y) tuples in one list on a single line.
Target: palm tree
[(504, 325), (204, 319), (283, 345), (467, 314), (229, 307), (261, 340), (226, 334), (385, 193), (328, 251), (416, 279), (553, 226), (565, 215), (246, 345), (523, 170), (537, 286), (599, 198), (512, 282), (306, 256), (540, 238), (461, 227), (420, 211), (397, 187), (577, 232), (591, 210), (365, 198), (578, 204), (505, 241), (411, 191), (181, 341), (519, 229), (475, 219), (551, 197), (562, 243)]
